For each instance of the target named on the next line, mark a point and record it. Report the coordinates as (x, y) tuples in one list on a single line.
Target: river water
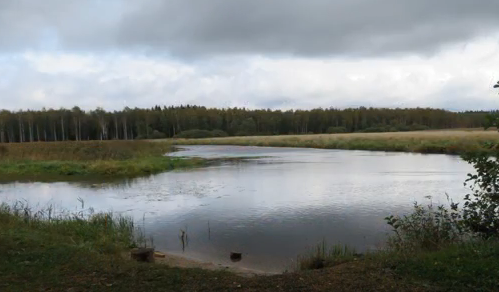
[(272, 207)]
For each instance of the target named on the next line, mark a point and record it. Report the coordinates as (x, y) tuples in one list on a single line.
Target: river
[(272, 207)]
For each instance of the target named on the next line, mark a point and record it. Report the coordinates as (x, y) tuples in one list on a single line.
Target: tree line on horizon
[(166, 122)]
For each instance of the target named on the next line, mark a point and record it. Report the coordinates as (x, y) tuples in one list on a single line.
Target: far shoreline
[(452, 142)]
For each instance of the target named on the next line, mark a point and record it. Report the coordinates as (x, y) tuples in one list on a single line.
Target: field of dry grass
[(442, 141)]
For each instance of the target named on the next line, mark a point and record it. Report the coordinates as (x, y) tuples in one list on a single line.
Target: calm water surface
[(272, 207)]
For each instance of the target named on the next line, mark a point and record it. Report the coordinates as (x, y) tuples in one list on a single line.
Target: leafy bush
[(481, 207), (196, 134), (158, 135), (395, 128), (336, 130), (427, 228), (219, 133), (377, 129), (416, 127), (430, 228)]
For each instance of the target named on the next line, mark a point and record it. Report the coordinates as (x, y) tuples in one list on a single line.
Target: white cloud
[(459, 77)]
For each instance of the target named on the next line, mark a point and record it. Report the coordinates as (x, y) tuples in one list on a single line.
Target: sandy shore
[(183, 262)]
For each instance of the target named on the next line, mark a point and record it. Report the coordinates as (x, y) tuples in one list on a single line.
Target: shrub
[(402, 128), (481, 207), (158, 135), (219, 133), (427, 228), (193, 134), (335, 130), (196, 133), (376, 129), (416, 127)]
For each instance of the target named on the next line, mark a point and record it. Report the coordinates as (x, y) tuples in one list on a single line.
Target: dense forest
[(161, 122)]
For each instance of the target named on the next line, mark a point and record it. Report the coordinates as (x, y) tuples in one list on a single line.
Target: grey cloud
[(218, 27)]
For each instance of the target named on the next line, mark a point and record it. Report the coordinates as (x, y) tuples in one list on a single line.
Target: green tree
[(492, 119)]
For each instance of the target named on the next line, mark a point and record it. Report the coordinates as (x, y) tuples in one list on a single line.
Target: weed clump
[(324, 256)]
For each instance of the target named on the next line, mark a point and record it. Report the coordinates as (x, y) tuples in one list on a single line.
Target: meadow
[(441, 141), (89, 158), (55, 250)]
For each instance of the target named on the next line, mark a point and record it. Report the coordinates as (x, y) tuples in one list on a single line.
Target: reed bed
[(444, 141)]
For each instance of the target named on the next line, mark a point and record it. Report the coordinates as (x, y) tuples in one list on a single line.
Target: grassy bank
[(108, 158), (50, 251), (75, 252), (445, 141), (466, 266)]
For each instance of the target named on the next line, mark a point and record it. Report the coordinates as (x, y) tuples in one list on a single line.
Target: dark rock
[(143, 255), (236, 256)]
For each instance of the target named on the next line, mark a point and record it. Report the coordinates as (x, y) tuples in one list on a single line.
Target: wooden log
[(143, 255)]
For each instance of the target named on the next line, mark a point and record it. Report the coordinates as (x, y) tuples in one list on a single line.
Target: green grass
[(81, 151), (54, 251), (324, 256), (80, 251), (132, 167), (95, 158), (430, 247), (471, 266)]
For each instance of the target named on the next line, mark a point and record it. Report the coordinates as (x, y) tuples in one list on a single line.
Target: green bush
[(193, 134), (336, 130), (427, 228), (417, 127), (394, 128), (481, 207), (196, 134), (431, 228), (377, 129), (219, 133), (158, 135)]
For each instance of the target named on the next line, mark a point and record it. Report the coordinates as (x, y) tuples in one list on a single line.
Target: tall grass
[(102, 158), (105, 232), (445, 141), (324, 255), (82, 151)]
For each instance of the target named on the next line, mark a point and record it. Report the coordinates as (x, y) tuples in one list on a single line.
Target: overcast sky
[(253, 53)]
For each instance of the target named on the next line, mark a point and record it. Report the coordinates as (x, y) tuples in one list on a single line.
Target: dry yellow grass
[(442, 141)]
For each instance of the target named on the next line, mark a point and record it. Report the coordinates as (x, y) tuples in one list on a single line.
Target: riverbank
[(88, 158), (50, 251), (439, 142), (85, 254)]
